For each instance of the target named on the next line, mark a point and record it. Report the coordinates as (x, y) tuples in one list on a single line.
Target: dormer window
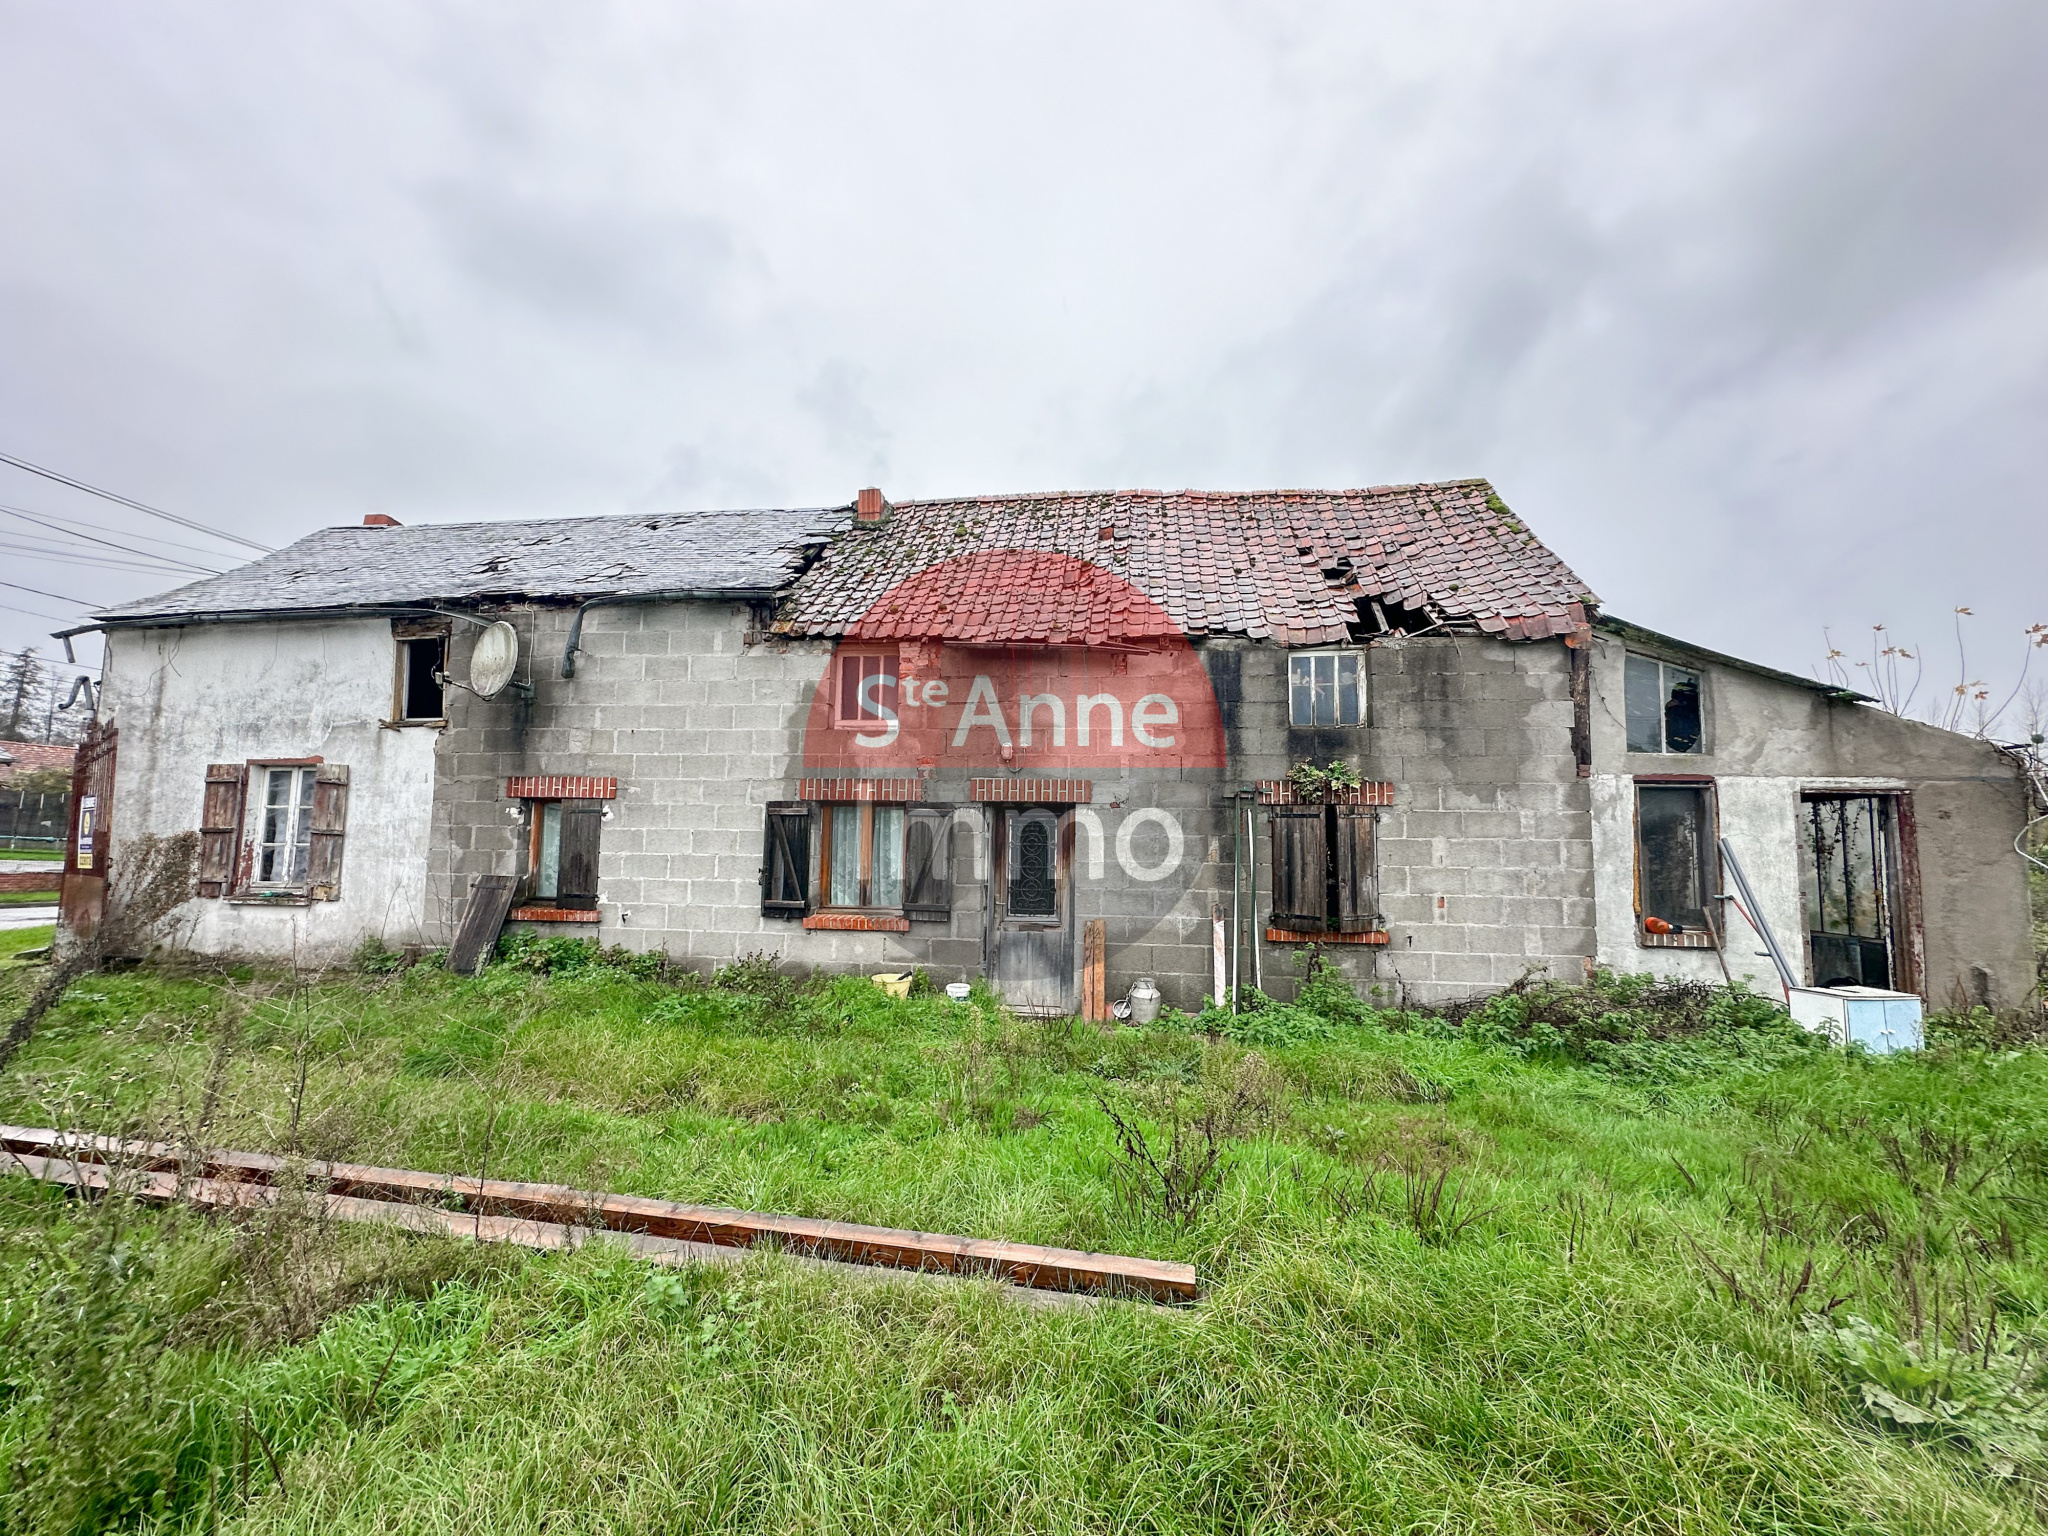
[(1663, 706)]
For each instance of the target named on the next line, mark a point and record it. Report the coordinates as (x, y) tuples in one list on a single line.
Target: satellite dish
[(494, 660)]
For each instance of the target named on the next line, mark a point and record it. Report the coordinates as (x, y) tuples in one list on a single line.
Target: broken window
[(1663, 707), (863, 856), (1326, 869), (562, 849), (864, 689), (1845, 867), (423, 697), (1325, 688), (1677, 867), (422, 664)]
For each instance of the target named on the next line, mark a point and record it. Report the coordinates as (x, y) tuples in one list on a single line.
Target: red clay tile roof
[(33, 756), (1298, 567)]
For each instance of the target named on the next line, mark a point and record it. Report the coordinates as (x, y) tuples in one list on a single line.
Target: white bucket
[(958, 991)]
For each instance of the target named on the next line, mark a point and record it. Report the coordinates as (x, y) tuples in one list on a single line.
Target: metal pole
[(1236, 884), (1251, 818), (1755, 914)]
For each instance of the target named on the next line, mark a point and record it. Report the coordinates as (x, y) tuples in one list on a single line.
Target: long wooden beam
[(467, 1199)]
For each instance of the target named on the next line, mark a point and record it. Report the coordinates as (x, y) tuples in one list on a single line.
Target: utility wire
[(72, 555), (73, 527), (139, 506), (32, 613), (39, 592)]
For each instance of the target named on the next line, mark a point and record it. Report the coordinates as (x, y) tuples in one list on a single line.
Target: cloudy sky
[(1744, 306)]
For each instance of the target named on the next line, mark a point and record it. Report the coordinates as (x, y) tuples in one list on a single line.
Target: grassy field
[(1604, 1260)]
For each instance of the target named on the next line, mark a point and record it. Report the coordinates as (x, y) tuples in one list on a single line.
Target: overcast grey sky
[(1744, 306)]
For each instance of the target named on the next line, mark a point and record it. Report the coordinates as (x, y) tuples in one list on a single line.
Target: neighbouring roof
[(572, 557), (19, 757), (1635, 634), (1298, 567)]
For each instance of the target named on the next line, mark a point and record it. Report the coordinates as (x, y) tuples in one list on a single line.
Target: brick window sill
[(857, 922), (551, 915), (1294, 936)]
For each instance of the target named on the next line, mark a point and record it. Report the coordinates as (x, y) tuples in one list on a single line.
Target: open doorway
[(1849, 865)]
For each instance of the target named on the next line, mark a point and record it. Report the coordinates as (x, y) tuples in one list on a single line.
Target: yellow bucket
[(895, 983)]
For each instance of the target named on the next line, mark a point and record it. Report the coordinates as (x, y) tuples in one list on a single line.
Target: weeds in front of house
[(1639, 1206)]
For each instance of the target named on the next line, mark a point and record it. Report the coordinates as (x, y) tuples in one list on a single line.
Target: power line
[(39, 592), (32, 613), (73, 525), (142, 560), (139, 506)]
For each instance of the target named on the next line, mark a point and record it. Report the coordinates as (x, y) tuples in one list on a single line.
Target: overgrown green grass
[(1542, 1266)]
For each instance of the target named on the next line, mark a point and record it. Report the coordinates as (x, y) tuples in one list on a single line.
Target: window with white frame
[(1325, 688), (285, 834), (1663, 706)]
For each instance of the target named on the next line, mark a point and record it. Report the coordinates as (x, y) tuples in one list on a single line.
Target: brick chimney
[(869, 507), (379, 520)]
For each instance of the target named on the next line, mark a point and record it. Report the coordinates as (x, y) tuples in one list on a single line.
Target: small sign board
[(88, 822)]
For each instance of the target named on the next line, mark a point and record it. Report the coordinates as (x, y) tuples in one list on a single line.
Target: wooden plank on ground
[(489, 900), (1024, 1264), (1094, 967)]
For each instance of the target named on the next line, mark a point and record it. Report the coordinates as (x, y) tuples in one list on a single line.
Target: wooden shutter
[(928, 866), (1354, 843), (1301, 872), (220, 826), (576, 884), (786, 860), (329, 826)]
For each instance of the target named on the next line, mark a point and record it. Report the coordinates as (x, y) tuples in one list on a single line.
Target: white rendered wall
[(183, 698)]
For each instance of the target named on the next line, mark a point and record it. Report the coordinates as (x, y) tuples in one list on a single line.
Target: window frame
[(828, 844), (406, 633), (1663, 747), (1711, 875), (1360, 690), (889, 668), (306, 773), (537, 808)]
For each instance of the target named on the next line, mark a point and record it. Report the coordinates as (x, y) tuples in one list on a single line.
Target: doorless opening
[(1849, 863)]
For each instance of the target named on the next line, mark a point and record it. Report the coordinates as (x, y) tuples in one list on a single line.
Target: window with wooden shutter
[(576, 882), (928, 866), (329, 821), (786, 860), (220, 826), (1301, 868), (1326, 872), (1355, 868)]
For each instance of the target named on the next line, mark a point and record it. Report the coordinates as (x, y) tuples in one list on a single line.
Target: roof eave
[(1623, 629)]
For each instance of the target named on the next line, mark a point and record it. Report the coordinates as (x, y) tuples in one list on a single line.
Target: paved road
[(27, 917)]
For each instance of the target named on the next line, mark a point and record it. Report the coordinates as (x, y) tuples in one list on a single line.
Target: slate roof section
[(337, 569), (1297, 567)]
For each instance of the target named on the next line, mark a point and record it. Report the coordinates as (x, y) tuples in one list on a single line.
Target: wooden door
[(1031, 962)]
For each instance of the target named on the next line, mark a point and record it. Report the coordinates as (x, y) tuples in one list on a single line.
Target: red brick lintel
[(1282, 792), (560, 786), (1290, 936), (551, 914), (1032, 791), (857, 922), (843, 790)]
